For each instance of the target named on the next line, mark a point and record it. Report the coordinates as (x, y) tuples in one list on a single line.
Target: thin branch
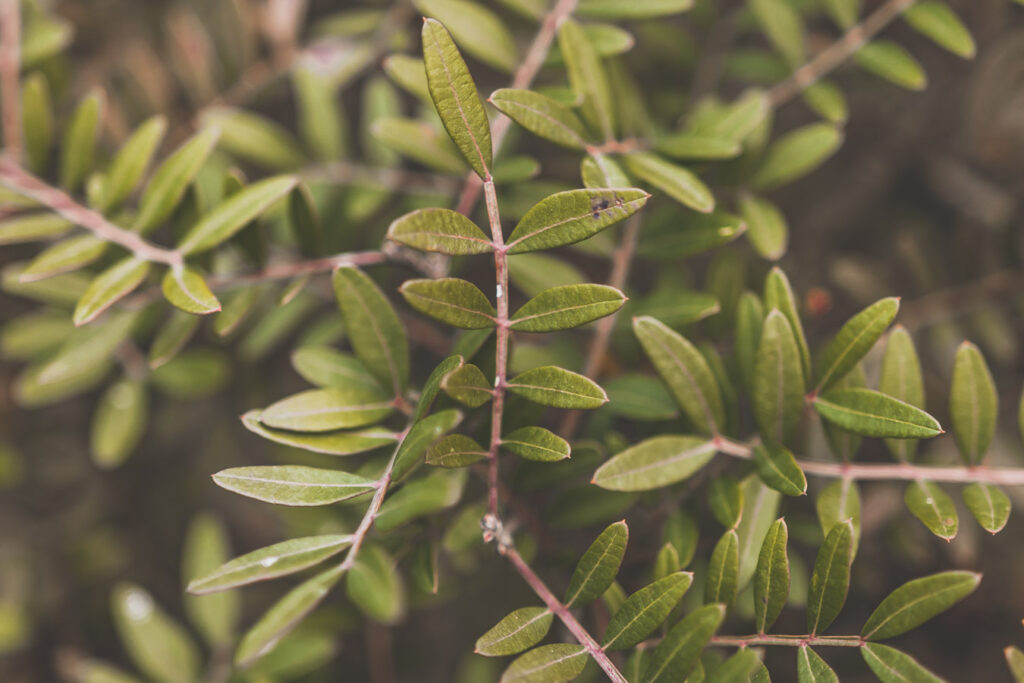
[(287, 271), (1006, 476), (527, 71), (563, 613), (24, 183), (837, 53), (501, 349), (621, 262), (787, 640), (10, 68)]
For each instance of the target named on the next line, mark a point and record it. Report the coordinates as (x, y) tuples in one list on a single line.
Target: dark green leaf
[(973, 404), (293, 484), (917, 601), (933, 506), (725, 498), (771, 577), (304, 221), (432, 385), (723, 570), (640, 397), (599, 170), (442, 230), (569, 217), (872, 413), (893, 666), (742, 666), (676, 655), (420, 436), (989, 505), (479, 31), (450, 300), (810, 668), (645, 610), (853, 341), (558, 388), (830, 580), (519, 630), (562, 308), (901, 378), (536, 443), (542, 116), (587, 77), (467, 385), (797, 153), (547, 664), (324, 410), (749, 326), (37, 120), (676, 181), (455, 450), (438, 490), (598, 566), (779, 294), (839, 501), (655, 463), (778, 469), (777, 395)]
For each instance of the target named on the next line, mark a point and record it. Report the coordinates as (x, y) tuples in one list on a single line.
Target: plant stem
[(791, 641), (1006, 476), (10, 67), (621, 262), (527, 71), (24, 183), (563, 613), (501, 347), (837, 53)]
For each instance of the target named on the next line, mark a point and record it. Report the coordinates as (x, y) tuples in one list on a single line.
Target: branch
[(527, 71), (837, 53), (562, 612), (791, 641), (501, 350), (24, 183), (10, 68), (1006, 476)]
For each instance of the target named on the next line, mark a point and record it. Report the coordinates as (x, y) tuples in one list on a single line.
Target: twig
[(837, 53), (501, 347), (1006, 476), (787, 640), (621, 262), (10, 67), (24, 183), (527, 71), (563, 613), (960, 299), (286, 271)]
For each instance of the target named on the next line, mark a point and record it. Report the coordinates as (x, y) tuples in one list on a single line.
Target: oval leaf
[(830, 580), (537, 444), (853, 341), (973, 404), (293, 484), (778, 469), (777, 394), (723, 570), (455, 450), (468, 386), (558, 388), (109, 287), (917, 601), (645, 610), (158, 645), (810, 668), (547, 664), (170, 181), (677, 182), (542, 116), (332, 443), (655, 463), (450, 300), (797, 153), (562, 308), (771, 577), (569, 217), (893, 666), (989, 505), (936, 510), (324, 410), (901, 378), (519, 630), (676, 655), (598, 566), (442, 230), (871, 413), (185, 288)]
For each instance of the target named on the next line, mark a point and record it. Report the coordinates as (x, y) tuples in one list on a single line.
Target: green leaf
[(537, 444), (685, 371), (742, 666), (172, 178), (973, 404), (892, 62), (185, 288), (1015, 660), (572, 216), (872, 413), (330, 443), (37, 120), (989, 505), (766, 226), (830, 580), (723, 570), (645, 610), (118, 423), (455, 97), (519, 630), (293, 484), (655, 463), (172, 338), (749, 326), (534, 273), (917, 601), (777, 395), (687, 146), (479, 31), (468, 386), (558, 388), (455, 450), (597, 568), (547, 664), (725, 498), (843, 12), (235, 213), (737, 120), (420, 141), (109, 287), (79, 145), (810, 668), (677, 654), (130, 163), (587, 77), (285, 615), (839, 501), (304, 221), (237, 307), (64, 256), (937, 21), (893, 666), (323, 410), (615, 9), (562, 308), (438, 490), (158, 645), (771, 577), (853, 341), (450, 300), (930, 504), (84, 670), (828, 101), (373, 327), (270, 562), (432, 386), (796, 154), (599, 170), (676, 181), (542, 116), (32, 227), (443, 230), (423, 433), (640, 397), (779, 294), (255, 138), (901, 378), (327, 367), (781, 22), (409, 73)]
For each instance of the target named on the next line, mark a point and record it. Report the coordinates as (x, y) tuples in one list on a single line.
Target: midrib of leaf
[(285, 482), (622, 631), (222, 572), (825, 583), (532, 445), (929, 500), (768, 586), (179, 277), (694, 387), (449, 304), (583, 583), (521, 628), (337, 409), (685, 455), (458, 102), (553, 390), (886, 666), (448, 235), (779, 392), (907, 606), (975, 416), (594, 304), (553, 121), (551, 662), (552, 226), (861, 413)]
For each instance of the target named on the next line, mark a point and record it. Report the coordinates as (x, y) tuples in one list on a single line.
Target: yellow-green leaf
[(235, 213), (109, 287), (172, 178), (520, 629), (934, 19), (830, 580), (676, 181), (933, 506), (655, 463), (871, 413), (917, 601), (973, 404), (596, 570), (562, 308), (185, 288), (442, 230), (558, 388), (450, 300), (797, 153), (324, 410), (892, 62), (293, 484), (569, 217)]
